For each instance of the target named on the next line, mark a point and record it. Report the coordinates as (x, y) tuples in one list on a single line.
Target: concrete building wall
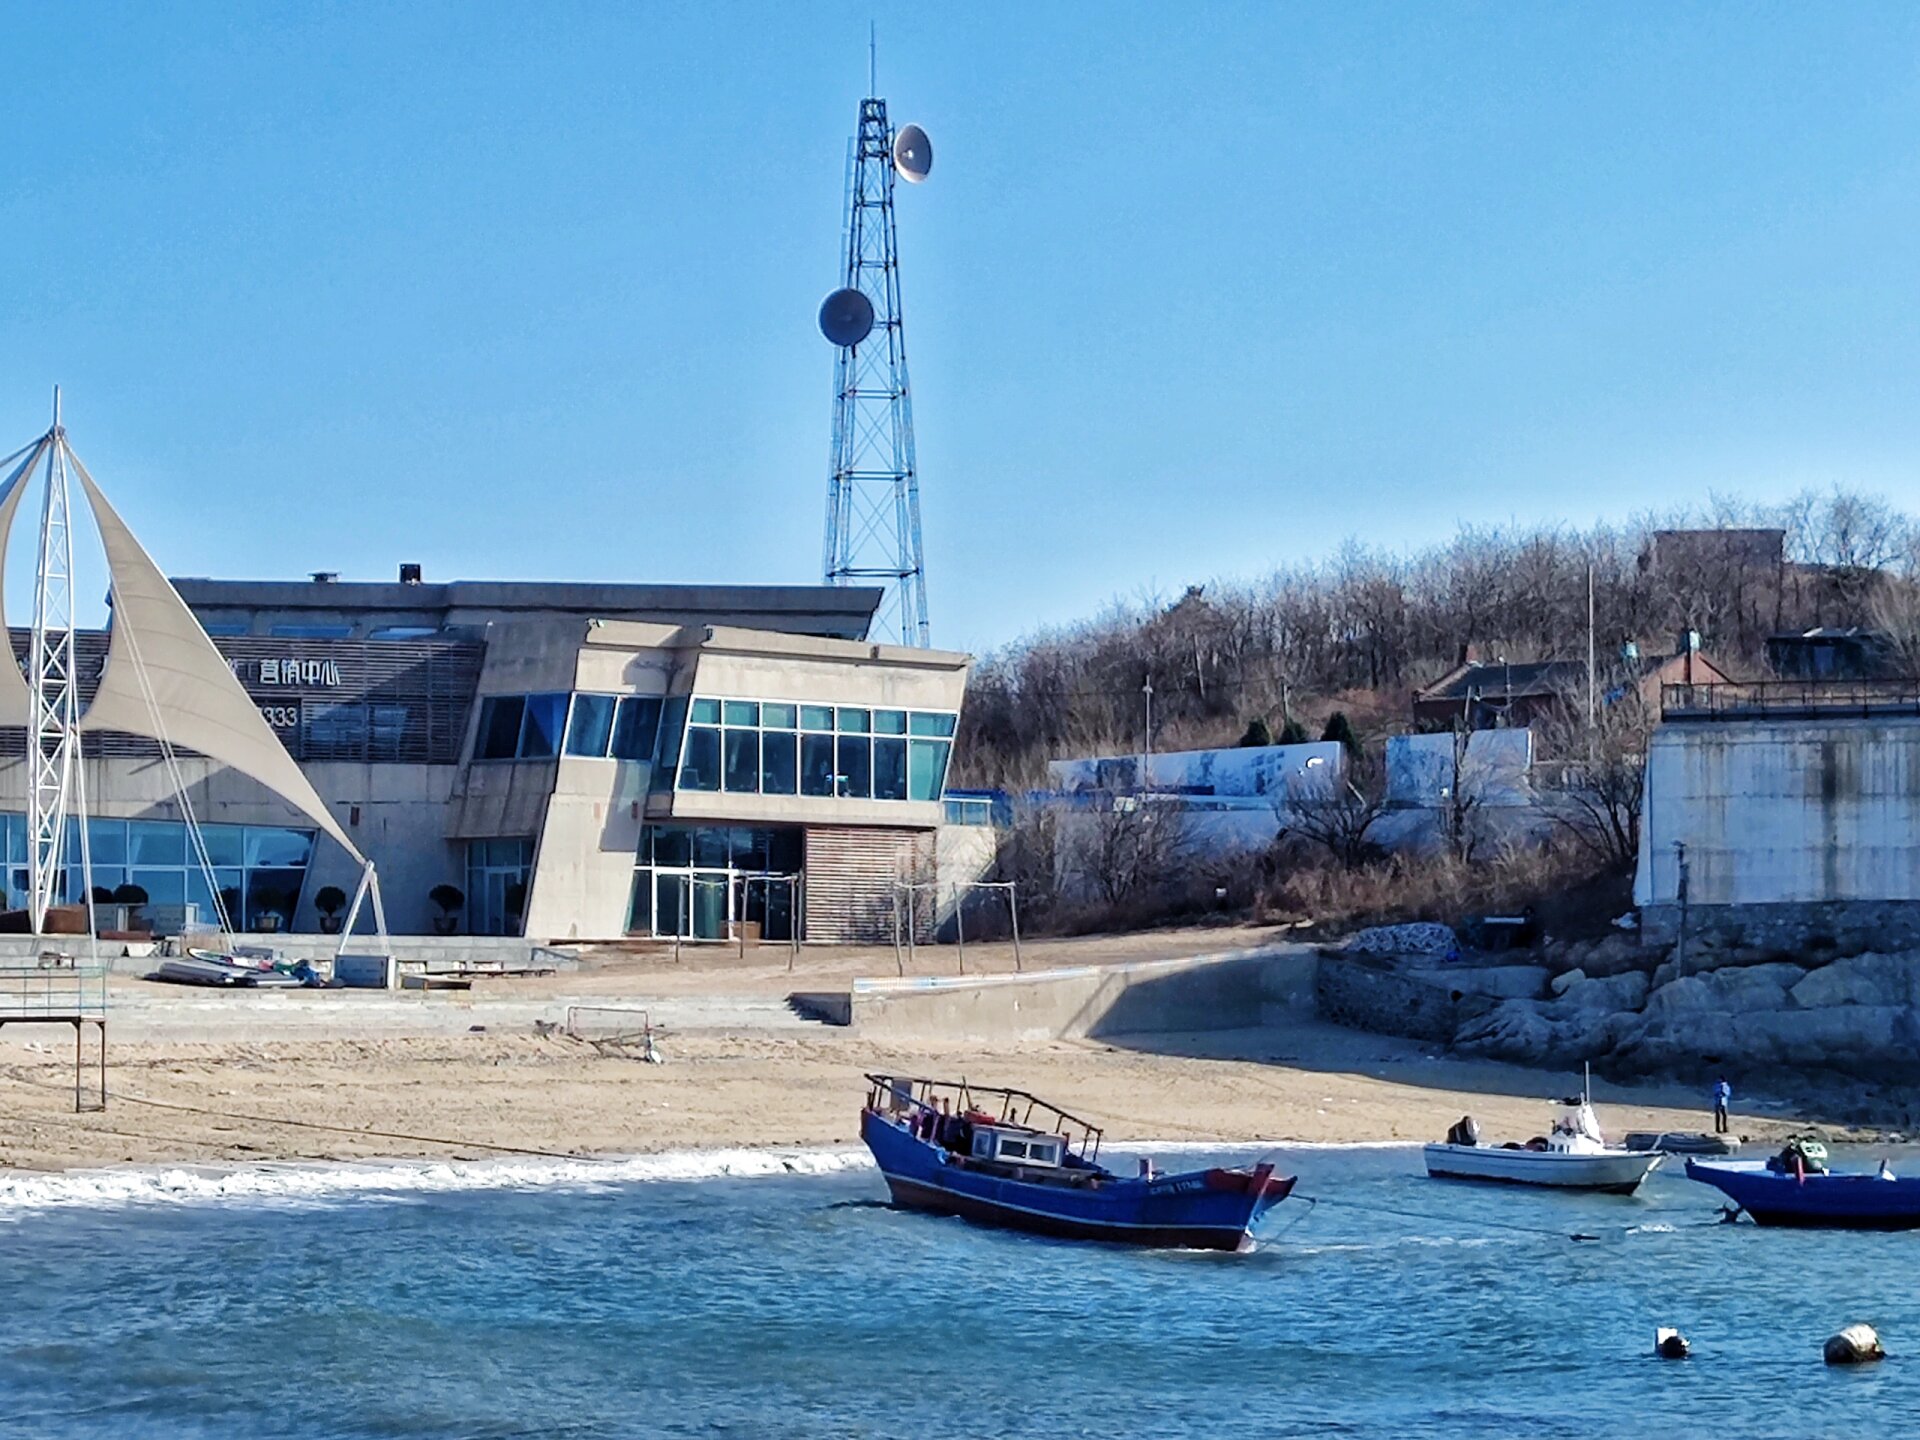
[(1783, 811), (583, 873)]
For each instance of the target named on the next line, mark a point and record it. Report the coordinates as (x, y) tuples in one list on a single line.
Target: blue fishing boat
[(1004, 1157), (1795, 1188)]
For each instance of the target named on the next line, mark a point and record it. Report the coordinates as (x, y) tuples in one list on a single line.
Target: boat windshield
[(903, 1097)]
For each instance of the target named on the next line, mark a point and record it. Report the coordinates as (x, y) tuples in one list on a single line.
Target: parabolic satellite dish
[(846, 317), (912, 153)]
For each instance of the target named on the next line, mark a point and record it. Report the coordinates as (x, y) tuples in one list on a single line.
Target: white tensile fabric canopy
[(164, 679)]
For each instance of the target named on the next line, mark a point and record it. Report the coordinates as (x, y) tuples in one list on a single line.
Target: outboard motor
[(1464, 1131)]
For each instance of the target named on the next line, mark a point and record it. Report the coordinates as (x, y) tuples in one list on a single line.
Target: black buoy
[(1854, 1345), (1670, 1344)]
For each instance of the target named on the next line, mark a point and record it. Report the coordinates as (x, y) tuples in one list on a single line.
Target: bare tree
[(1335, 813), (1595, 774), (1125, 847)]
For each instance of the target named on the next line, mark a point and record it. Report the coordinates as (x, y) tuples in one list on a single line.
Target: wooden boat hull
[(1612, 1172), (1198, 1210), (1819, 1202)]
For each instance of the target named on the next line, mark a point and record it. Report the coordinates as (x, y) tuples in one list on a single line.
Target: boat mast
[(54, 748)]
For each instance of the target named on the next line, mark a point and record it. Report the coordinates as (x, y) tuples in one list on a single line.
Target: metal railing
[(1746, 700)]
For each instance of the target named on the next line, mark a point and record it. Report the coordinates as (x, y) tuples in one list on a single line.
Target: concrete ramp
[(1231, 991)]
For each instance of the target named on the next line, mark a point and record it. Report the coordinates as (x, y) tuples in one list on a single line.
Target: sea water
[(784, 1298)]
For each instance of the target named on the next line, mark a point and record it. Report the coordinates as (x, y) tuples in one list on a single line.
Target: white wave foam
[(294, 1183), (299, 1183)]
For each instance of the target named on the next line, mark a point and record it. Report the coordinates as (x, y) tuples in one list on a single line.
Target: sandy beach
[(236, 1077)]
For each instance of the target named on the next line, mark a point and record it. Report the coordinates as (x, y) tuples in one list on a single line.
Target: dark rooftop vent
[(325, 577), (409, 573)]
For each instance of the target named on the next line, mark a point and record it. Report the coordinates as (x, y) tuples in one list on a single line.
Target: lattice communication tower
[(873, 498)]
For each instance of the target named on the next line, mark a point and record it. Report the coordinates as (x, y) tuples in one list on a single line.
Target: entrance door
[(497, 873)]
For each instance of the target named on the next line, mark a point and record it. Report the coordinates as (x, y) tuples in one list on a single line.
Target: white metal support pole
[(1013, 915), (51, 681)]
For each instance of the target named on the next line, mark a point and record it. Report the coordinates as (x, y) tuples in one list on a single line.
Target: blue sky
[(528, 291)]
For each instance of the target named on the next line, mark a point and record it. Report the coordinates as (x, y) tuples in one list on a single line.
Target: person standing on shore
[(1722, 1097)]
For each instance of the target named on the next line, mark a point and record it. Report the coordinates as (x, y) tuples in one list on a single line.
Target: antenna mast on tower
[(873, 497)]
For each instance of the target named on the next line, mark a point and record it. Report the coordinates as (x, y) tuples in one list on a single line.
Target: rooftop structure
[(412, 608)]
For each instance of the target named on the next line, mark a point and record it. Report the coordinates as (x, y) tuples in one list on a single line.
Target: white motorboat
[(1573, 1155)]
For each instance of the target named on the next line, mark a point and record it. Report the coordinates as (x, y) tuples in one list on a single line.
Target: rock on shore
[(1747, 1011)]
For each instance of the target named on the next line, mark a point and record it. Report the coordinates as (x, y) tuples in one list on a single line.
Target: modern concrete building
[(1793, 813), (581, 761)]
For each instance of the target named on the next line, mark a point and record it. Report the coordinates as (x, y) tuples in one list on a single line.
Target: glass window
[(779, 762), (700, 767), (336, 731), (706, 712), (672, 847), (740, 712), (226, 845), (163, 887), (852, 722), (935, 725), (856, 767), (816, 765), (590, 725), (778, 717), (710, 847), (387, 730), (926, 769), (404, 632), (816, 717), (311, 632), (890, 769), (749, 849), (540, 732), (499, 727), (270, 845), (272, 892), (742, 761), (673, 719), (889, 722), (783, 851), (640, 907), (157, 842), (635, 727), (670, 905), (106, 838)]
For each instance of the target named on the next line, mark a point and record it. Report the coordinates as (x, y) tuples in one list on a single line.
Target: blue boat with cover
[(1008, 1158), (1795, 1188)]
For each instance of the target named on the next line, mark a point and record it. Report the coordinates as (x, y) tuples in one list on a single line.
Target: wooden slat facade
[(850, 876)]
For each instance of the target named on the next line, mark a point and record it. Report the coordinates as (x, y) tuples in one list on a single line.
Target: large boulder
[(1861, 980), (1758, 987), (1580, 994), (1527, 1032)]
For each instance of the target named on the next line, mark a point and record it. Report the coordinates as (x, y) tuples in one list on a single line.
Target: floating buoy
[(1670, 1344), (1855, 1345)]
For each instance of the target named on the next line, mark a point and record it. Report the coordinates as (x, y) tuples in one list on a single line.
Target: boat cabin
[(1016, 1147)]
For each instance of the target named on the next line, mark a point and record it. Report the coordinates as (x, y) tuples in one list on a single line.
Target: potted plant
[(133, 897), (330, 901), (448, 899), (270, 906)]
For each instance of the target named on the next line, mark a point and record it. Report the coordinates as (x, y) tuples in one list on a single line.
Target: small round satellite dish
[(912, 153), (846, 317)]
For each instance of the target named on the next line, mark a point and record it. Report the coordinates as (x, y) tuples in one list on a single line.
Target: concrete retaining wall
[(1200, 992)]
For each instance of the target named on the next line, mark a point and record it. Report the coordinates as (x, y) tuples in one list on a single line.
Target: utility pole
[(1146, 735)]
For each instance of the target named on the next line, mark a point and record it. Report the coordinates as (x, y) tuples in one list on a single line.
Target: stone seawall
[(1818, 928), (1349, 991)]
